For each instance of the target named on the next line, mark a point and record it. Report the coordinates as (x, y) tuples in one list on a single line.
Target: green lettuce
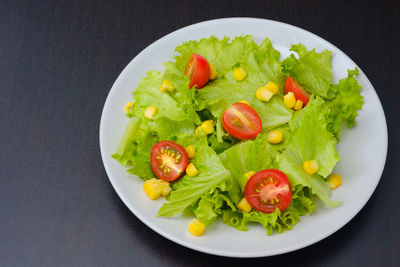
[(189, 189), (214, 203), (345, 105), (310, 140), (256, 155), (311, 69), (262, 64), (141, 135), (253, 155), (135, 147), (175, 106), (279, 221)]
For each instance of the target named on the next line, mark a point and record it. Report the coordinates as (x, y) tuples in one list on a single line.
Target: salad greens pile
[(222, 160)]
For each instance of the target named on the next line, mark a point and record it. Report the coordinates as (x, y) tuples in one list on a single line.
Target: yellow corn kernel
[(239, 74), (191, 170), (298, 105), (156, 188), (310, 166), (166, 85), (334, 181), (272, 87), (150, 112), (244, 102), (213, 72), (249, 174), (289, 100), (128, 107), (244, 205), (264, 94), (196, 227), (152, 189), (206, 126), (165, 188), (275, 137), (191, 151)]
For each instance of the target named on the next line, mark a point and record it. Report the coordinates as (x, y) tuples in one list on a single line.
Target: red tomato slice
[(168, 160), (291, 85), (241, 121), (267, 190), (198, 70)]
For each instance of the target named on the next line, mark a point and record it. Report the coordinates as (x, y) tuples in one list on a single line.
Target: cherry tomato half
[(168, 160), (198, 70), (241, 121), (267, 190), (291, 85)]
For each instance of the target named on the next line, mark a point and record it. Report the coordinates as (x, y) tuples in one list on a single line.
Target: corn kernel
[(249, 174), (264, 94), (165, 189), (244, 102), (191, 170), (275, 137), (128, 107), (244, 205), (334, 181), (206, 126), (166, 85), (289, 100), (150, 112), (152, 189), (213, 72), (196, 227), (239, 74), (191, 151), (310, 166), (272, 87), (298, 105)]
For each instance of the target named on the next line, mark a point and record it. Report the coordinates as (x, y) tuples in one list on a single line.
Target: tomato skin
[(198, 70), (291, 85), (267, 185), (248, 122), (161, 156)]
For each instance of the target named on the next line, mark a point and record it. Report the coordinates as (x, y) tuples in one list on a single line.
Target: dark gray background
[(58, 60)]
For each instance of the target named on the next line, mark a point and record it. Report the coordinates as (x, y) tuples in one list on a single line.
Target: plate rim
[(187, 244)]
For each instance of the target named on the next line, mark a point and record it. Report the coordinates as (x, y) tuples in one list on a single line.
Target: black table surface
[(58, 62)]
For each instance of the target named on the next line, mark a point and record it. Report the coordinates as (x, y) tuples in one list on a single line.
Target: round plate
[(362, 148)]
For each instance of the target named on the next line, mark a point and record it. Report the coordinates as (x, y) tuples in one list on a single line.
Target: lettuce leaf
[(302, 202), (253, 155), (262, 64), (213, 204), (135, 147), (345, 105), (175, 106), (223, 54), (310, 140), (311, 69), (188, 190), (140, 136)]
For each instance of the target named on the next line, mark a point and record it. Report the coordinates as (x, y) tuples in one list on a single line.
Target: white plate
[(362, 149)]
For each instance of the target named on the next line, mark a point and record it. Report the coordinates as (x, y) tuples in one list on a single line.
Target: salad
[(231, 130)]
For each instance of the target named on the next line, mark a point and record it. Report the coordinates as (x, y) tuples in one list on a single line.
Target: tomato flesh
[(291, 85), (242, 121), (267, 190), (168, 160), (198, 70)]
